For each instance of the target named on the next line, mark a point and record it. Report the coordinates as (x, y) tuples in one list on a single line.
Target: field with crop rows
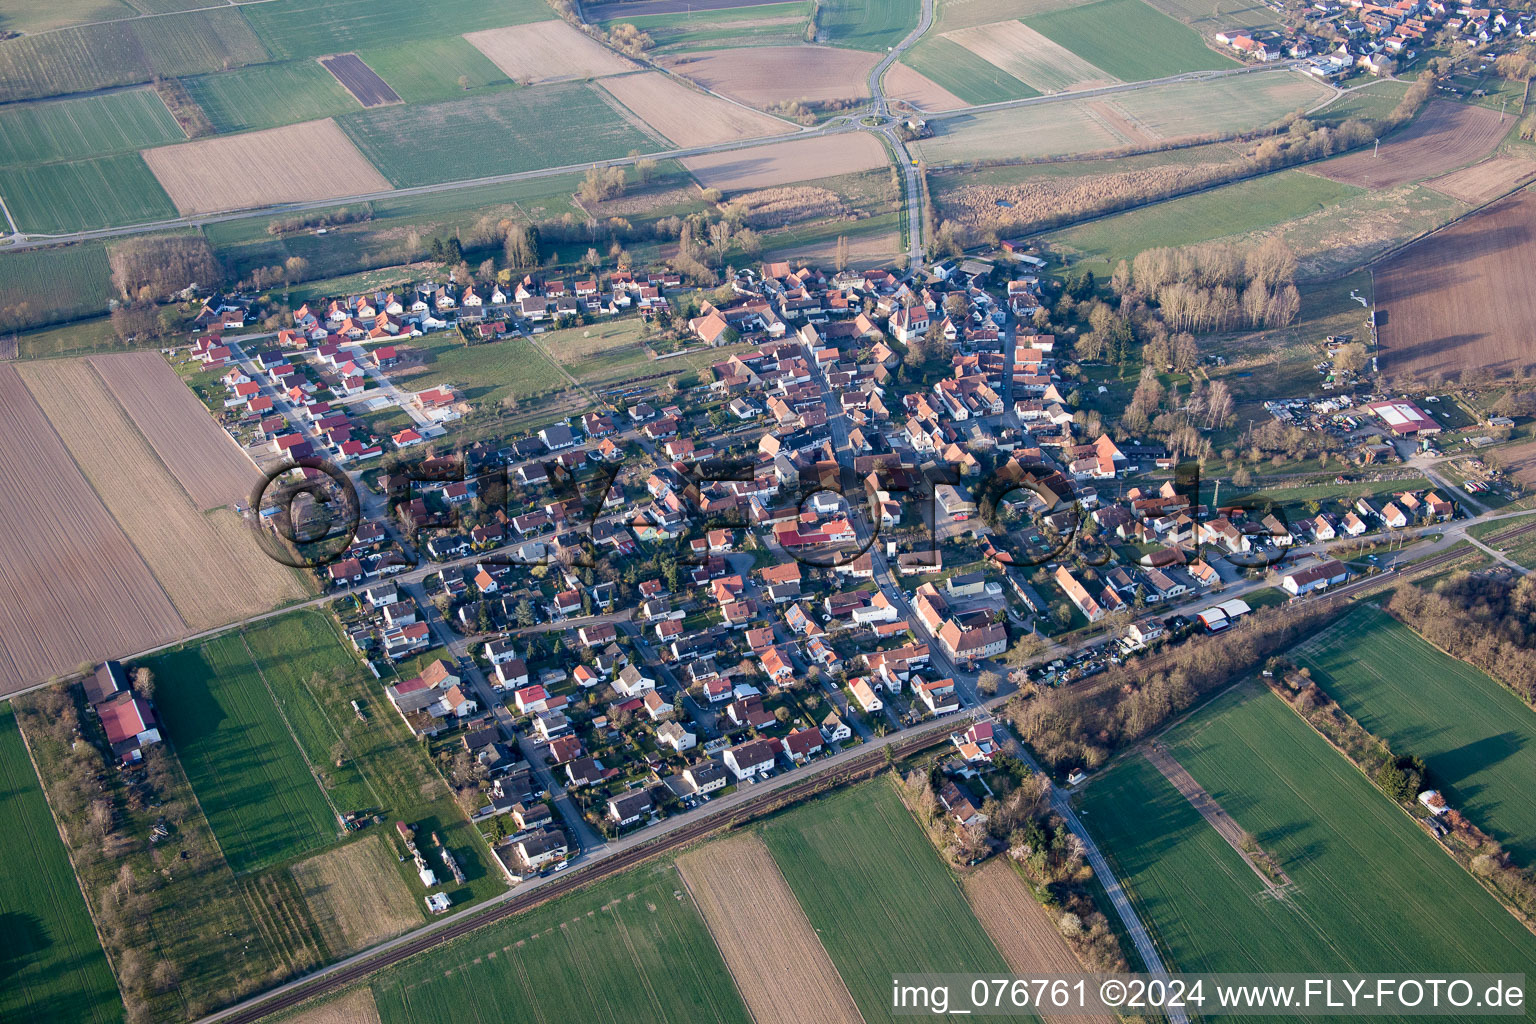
[(247, 772), (494, 133), (1211, 16), (269, 96), (108, 191), (626, 949), (1478, 739), (866, 24), (874, 887), (71, 129), (428, 70), (53, 964), (1129, 39), (40, 286), (1372, 890), (99, 56), (781, 24), (963, 73), (31, 17), (312, 28)]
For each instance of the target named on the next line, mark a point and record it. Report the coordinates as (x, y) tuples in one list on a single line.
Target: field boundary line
[(262, 675), (336, 635), (63, 841)]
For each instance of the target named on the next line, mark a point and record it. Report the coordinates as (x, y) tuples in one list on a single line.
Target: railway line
[(863, 766)]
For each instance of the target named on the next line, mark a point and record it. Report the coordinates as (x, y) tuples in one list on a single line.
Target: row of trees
[(1486, 621)]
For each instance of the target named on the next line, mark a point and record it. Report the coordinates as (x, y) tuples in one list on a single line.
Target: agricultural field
[(54, 966), (901, 906), (91, 57), (1460, 297), (208, 564), (642, 949), (1473, 734), (1211, 16), (961, 72), (249, 775), (493, 133), (764, 935), (780, 163), (313, 28), (871, 242), (39, 286), (903, 84), (266, 167), (954, 14), (269, 96), (547, 51), (1249, 205), (1020, 52), (202, 457), (428, 70), (1023, 931), (1375, 100), (31, 18), (356, 895), (46, 628), (687, 117), (1240, 104), (874, 25), (1443, 137), (1484, 182), (1372, 891), (766, 75), (107, 191), (695, 28), (73, 129), (361, 81), (1129, 39)]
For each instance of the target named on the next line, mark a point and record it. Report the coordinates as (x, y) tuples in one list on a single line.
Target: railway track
[(863, 766)]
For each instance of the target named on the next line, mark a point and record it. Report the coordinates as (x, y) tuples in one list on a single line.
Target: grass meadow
[(629, 948), (104, 192), (270, 95), (1129, 39), (875, 889), (42, 286), (1477, 738), (243, 763), (50, 961), (487, 373), (494, 133), (963, 73), (79, 127), (428, 70), (1373, 892), (600, 354), (866, 24)]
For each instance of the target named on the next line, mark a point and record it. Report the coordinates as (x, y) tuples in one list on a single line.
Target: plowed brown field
[(764, 75), (356, 896), (206, 460), (1464, 296), (1020, 928), (780, 163), (208, 563), (547, 51), (1446, 135), (781, 969), (357, 1007), (916, 88), (313, 160), (689, 117), (1487, 180), (72, 587)]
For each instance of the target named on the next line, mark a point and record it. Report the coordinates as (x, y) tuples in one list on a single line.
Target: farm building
[(1404, 418)]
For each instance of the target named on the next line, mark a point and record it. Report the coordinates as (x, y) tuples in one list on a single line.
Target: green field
[(1229, 210), (1374, 101), (1129, 39), (1478, 739), (30, 17), (313, 28), (485, 374), (50, 961), (866, 24), (70, 129), (963, 73), (1373, 892), (875, 889), (39, 286), (270, 95), (601, 354), (781, 24), (108, 191), (494, 133), (125, 53), (1211, 16), (630, 948), (249, 776), (428, 70)]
